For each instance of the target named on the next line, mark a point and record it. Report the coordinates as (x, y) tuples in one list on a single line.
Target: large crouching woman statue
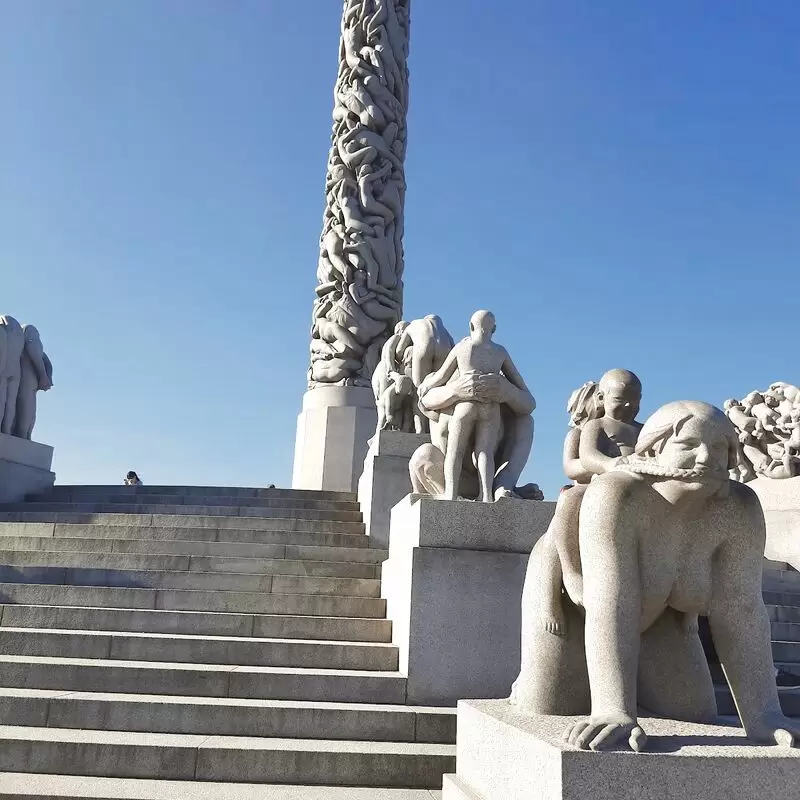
[(663, 535)]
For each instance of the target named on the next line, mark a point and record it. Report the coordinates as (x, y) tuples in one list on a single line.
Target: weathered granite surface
[(506, 755)]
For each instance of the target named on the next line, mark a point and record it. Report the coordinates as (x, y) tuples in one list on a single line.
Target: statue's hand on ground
[(775, 729), (607, 732)]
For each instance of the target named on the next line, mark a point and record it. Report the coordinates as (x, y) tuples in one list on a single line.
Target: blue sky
[(618, 181)]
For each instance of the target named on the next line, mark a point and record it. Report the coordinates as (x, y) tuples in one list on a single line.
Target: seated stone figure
[(474, 421), (663, 534), (608, 431)]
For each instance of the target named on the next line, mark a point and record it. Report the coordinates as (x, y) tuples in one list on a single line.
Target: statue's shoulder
[(619, 486), (742, 494)]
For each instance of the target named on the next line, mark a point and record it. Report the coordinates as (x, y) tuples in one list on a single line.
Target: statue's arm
[(443, 374), (3, 348), (609, 534), (520, 401), (738, 618), (512, 374), (35, 352), (573, 468), (592, 457), (48, 369)]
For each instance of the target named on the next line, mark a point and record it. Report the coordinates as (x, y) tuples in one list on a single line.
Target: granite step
[(155, 534), (359, 555), (197, 623), (30, 786), (220, 758), (789, 698), (779, 614), (185, 563), (186, 648), (146, 522), (193, 510), (192, 600), (203, 581), (782, 598), (226, 716), (65, 674), (785, 631), (225, 491), (786, 652), (195, 648), (126, 498)]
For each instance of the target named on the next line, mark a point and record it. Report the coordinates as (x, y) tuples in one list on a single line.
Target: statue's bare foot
[(502, 492), (607, 732), (775, 729)]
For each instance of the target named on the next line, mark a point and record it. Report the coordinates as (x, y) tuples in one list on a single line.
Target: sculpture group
[(360, 270), (652, 534), (470, 398), (768, 427), (25, 370)]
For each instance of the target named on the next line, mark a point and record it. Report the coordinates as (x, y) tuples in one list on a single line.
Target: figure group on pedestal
[(652, 534), (768, 426), (414, 350), (470, 398), (25, 370), (360, 269)]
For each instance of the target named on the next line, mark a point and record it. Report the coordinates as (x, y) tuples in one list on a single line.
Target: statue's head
[(688, 440), (788, 390), (31, 333), (482, 325), (583, 405), (10, 323), (751, 400), (401, 326), (732, 403), (620, 393)]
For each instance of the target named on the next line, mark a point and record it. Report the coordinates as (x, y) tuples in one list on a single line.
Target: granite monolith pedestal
[(504, 755), (385, 480), (453, 587), (332, 434), (24, 468)]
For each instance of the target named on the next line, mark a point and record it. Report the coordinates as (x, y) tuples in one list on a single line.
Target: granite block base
[(24, 468), (504, 755)]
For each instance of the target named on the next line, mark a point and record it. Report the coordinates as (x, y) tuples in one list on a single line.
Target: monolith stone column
[(359, 296)]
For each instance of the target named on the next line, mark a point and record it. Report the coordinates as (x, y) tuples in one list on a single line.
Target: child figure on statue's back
[(477, 354)]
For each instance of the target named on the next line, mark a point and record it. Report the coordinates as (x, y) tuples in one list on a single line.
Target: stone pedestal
[(332, 433), (385, 480), (502, 755), (780, 500), (24, 468), (453, 586)]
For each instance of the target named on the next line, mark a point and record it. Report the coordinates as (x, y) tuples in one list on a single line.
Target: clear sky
[(618, 181)]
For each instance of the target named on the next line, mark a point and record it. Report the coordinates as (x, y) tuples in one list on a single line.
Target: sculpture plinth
[(505, 755), (332, 433), (24, 468), (452, 585), (385, 480)]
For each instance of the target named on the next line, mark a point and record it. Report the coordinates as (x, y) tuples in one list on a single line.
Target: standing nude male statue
[(10, 372), (476, 354)]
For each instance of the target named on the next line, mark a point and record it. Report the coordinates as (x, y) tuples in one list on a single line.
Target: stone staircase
[(782, 598), (153, 638)]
